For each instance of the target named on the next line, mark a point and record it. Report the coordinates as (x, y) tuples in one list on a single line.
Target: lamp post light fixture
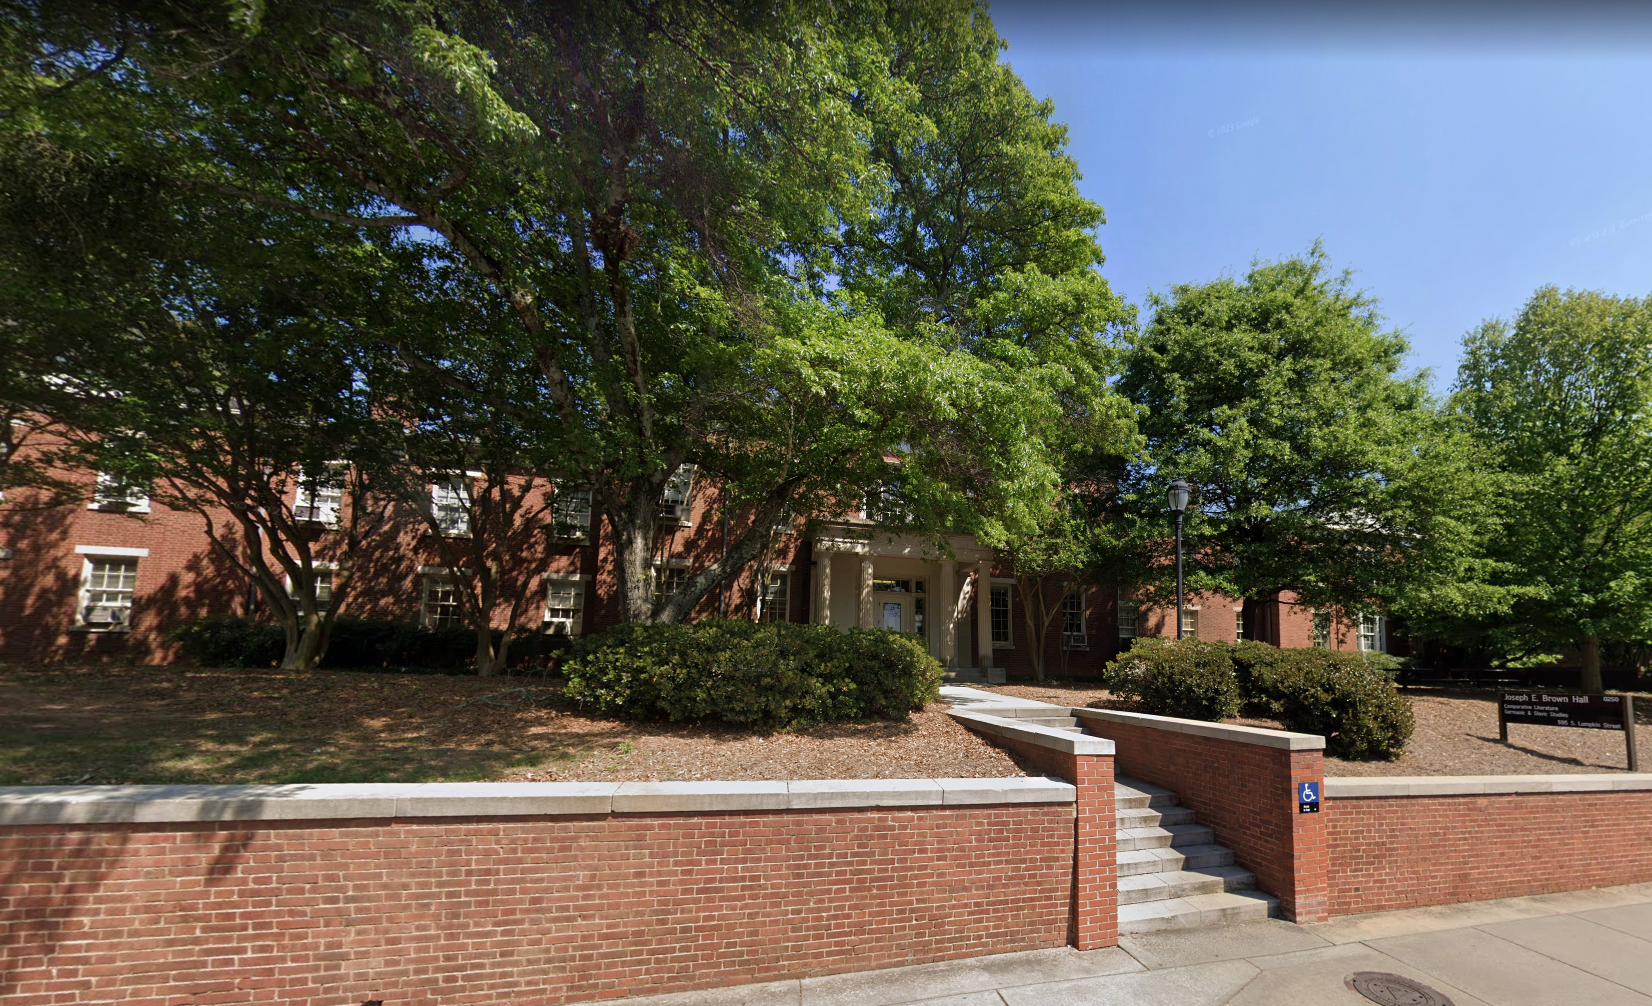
[(1177, 498)]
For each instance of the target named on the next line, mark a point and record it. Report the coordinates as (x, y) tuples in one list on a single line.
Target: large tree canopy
[(694, 232), (1562, 398), (1318, 467)]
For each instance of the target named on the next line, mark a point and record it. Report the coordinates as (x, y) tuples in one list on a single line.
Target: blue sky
[(1454, 161)]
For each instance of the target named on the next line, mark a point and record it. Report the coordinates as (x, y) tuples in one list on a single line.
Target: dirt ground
[(1456, 735), (62, 725)]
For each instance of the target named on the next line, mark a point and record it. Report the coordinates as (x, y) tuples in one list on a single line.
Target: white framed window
[(775, 603), (1239, 624), (320, 497), (1190, 623), (668, 580), (571, 513), (1322, 629), (107, 584), (1373, 633), (323, 572), (1129, 612), (1073, 633), (440, 607), (564, 604), (677, 499), (999, 609), (450, 507), (114, 495)]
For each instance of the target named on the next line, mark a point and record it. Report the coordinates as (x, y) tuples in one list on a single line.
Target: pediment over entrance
[(866, 538)]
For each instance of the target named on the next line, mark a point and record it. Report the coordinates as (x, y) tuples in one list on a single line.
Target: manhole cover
[(1394, 990)]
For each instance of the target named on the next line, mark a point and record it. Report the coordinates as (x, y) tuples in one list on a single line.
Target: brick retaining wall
[(1241, 781), (428, 904), (1405, 843)]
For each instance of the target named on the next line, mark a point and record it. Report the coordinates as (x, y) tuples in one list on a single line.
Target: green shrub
[(1339, 695), (1186, 678), (357, 644), (757, 674), (228, 641)]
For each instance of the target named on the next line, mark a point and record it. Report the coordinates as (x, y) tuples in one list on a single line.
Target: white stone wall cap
[(1356, 787), (811, 794), (1014, 789), (1054, 738), (1284, 740), (36, 805)]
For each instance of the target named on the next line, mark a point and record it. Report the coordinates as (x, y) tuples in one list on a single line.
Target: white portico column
[(823, 588), (983, 613), (866, 593), (949, 615)]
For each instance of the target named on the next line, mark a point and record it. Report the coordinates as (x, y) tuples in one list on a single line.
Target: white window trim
[(1380, 631), (131, 504), (300, 491), (315, 567), (1083, 622), (426, 575), (784, 572), (80, 624), (1009, 584), (1181, 630), (112, 551), (467, 489), (682, 513), (577, 628), (576, 531), (1120, 602)]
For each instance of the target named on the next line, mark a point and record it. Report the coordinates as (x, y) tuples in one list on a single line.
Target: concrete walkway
[(1588, 947)]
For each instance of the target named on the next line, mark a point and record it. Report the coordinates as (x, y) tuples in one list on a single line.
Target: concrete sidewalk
[(1587, 947)]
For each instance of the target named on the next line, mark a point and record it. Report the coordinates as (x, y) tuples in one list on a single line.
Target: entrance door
[(892, 615)]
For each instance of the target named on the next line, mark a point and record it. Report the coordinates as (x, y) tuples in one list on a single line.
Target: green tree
[(1318, 467), (1563, 400)]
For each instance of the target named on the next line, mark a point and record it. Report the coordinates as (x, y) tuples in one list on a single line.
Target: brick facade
[(1409, 851), (519, 910)]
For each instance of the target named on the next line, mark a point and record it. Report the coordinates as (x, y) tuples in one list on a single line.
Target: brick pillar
[(1095, 851), (1309, 899)]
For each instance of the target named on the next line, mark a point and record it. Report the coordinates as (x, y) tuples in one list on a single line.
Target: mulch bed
[(61, 725), (1456, 735)]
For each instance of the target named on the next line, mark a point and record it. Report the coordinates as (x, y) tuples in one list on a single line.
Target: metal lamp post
[(1177, 497)]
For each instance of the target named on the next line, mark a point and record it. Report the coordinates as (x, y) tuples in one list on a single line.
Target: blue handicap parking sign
[(1307, 797)]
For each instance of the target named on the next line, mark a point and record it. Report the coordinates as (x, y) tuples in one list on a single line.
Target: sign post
[(1569, 709)]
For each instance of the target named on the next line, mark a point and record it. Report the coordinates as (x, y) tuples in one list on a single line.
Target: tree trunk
[(1589, 649), (486, 659)]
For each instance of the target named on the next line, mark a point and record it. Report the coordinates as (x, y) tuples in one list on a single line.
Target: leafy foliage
[(357, 644), (770, 675), (1186, 678)]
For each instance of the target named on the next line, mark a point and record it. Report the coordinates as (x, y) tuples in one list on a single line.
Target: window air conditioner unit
[(102, 614)]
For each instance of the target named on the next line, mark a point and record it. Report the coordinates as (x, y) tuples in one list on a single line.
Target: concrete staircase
[(1172, 875)]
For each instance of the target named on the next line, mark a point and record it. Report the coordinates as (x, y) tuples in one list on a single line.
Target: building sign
[(1593, 712), (1307, 798)]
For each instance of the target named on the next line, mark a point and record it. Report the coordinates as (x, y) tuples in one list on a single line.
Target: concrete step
[(1167, 860), (1060, 722), (974, 676), (1147, 817), (1133, 794), (1170, 836), (1198, 910), (1183, 884)]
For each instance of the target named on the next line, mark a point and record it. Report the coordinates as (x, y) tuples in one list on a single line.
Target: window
[(1073, 634), (571, 513), (106, 593), (1001, 616), (1190, 623), (116, 495), (323, 587), (668, 581), (1373, 633), (677, 500), (441, 608), (892, 586), (1239, 623), (1322, 629), (774, 605), (918, 614), (319, 498), (450, 507), (1128, 612), (564, 605)]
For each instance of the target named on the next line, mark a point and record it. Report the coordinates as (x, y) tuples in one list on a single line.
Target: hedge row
[(1342, 696), (356, 644), (758, 674)]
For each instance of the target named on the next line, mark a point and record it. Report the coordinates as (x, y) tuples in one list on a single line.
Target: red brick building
[(108, 577)]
